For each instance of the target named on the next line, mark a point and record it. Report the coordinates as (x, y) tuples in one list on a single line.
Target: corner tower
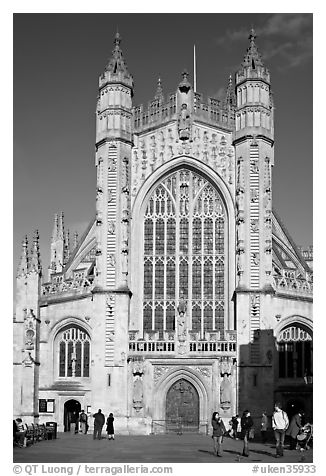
[(254, 146), (113, 157)]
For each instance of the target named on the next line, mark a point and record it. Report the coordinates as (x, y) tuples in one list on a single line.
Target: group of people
[(79, 424), (99, 420), (243, 428)]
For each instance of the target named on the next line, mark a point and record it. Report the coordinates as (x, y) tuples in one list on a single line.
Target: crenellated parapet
[(213, 113), (78, 284), (288, 283)]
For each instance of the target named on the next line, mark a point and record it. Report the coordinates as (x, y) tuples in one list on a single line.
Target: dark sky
[(57, 61)]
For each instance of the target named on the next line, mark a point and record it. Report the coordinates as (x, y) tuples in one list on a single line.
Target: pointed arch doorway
[(182, 407), (72, 409)]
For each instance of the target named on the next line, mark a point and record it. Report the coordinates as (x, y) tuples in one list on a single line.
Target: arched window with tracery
[(74, 352), (294, 344), (184, 254)]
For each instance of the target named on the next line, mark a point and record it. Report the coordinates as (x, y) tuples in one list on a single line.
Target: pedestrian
[(246, 425), (83, 422), (74, 422), (293, 429), (110, 427), (263, 427), (99, 421), (280, 423), (218, 432), (234, 427), (20, 433)]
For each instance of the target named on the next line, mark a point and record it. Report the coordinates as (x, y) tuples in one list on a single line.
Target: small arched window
[(74, 352)]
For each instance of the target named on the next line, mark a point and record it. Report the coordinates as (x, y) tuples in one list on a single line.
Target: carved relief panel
[(153, 149)]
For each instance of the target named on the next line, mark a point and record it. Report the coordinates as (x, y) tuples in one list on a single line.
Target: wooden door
[(182, 407)]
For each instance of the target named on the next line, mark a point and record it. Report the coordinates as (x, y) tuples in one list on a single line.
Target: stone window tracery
[(294, 346), (184, 253), (74, 352)]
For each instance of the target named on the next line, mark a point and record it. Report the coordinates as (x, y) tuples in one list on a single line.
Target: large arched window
[(74, 352), (294, 352), (184, 254)]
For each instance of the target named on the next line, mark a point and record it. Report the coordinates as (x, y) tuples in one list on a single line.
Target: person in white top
[(280, 423)]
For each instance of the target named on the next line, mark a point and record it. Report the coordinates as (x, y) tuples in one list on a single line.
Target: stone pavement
[(186, 448)]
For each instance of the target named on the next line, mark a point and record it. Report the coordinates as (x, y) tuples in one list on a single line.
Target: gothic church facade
[(186, 293)]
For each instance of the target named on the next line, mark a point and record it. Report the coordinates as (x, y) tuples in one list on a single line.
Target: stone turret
[(114, 141), (254, 149), (27, 331)]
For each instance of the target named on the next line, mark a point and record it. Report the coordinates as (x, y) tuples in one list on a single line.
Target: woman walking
[(246, 425), (110, 427), (218, 432)]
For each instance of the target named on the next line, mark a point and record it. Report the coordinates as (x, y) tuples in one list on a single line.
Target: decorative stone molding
[(205, 372), (154, 149), (159, 371)]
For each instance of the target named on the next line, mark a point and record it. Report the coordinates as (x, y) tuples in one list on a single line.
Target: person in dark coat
[(246, 424), (83, 424), (218, 432), (110, 427), (234, 427), (99, 421), (263, 427), (293, 430)]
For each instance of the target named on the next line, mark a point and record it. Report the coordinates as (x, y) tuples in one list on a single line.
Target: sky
[(57, 59)]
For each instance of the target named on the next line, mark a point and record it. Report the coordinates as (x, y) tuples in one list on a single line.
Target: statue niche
[(184, 123), (225, 392)]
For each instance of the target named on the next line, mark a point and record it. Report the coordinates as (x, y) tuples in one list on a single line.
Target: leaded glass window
[(74, 352), (184, 254)]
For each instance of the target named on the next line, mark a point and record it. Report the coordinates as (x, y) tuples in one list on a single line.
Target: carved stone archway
[(172, 377)]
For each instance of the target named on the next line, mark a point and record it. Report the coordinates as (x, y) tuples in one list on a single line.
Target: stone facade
[(182, 288)]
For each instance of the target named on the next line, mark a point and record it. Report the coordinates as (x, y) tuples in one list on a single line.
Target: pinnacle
[(35, 262), (23, 266), (117, 63), (252, 57), (159, 90)]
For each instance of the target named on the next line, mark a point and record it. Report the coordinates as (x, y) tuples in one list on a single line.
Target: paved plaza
[(186, 448)]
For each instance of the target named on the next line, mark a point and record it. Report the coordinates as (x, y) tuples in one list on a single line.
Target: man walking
[(83, 422), (99, 421), (280, 422)]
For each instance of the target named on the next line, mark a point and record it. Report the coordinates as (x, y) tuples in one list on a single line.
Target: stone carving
[(267, 175), (225, 366), (184, 123), (240, 176), (159, 371), (225, 392), (28, 361), (138, 367), (182, 319), (137, 400), (255, 258), (30, 329), (182, 349), (110, 336), (254, 166), (254, 224), (253, 195), (111, 260), (204, 371), (111, 227), (110, 195)]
